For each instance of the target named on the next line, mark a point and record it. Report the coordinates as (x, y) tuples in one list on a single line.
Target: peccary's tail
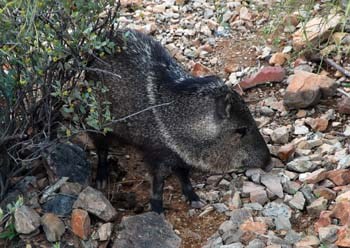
[(210, 85)]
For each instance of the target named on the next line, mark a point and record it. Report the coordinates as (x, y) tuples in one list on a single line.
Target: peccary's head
[(216, 133)]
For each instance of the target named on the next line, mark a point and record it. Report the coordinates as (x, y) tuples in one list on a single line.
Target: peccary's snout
[(268, 166)]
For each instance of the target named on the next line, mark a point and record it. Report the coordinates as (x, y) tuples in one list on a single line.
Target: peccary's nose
[(268, 166)]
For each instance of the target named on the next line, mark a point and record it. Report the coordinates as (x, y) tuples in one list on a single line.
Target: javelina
[(182, 121)]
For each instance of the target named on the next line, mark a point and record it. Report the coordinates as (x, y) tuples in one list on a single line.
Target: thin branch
[(102, 71), (343, 92), (330, 62)]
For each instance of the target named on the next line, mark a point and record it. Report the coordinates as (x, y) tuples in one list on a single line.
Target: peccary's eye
[(242, 131)]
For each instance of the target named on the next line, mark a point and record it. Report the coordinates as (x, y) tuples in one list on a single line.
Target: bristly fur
[(206, 125)]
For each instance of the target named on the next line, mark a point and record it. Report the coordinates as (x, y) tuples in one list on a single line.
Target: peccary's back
[(143, 66)]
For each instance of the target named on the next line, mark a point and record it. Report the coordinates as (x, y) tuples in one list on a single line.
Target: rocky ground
[(296, 89)]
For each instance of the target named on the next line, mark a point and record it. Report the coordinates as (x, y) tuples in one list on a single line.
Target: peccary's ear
[(210, 85)]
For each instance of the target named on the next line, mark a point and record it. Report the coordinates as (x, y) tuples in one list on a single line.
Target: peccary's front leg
[(187, 189), (102, 168)]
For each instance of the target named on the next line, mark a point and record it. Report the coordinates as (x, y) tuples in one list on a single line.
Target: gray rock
[(274, 209), (105, 231), (214, 241), (52, 226), (232, 236), (307, 192), (254, 206), (235, 245), (317, 206), (273, 183), (226, 226), (254, 174), (282, 223), (259, 196), (60, 205), (298, 201), (291, 187), (302, 164), (238, 216), (256, 243), (96, 203), (220, 207), (26, 220), (301, 130), (144, 231), (328, 234), (280, 135), (292, 237), (67, 160)]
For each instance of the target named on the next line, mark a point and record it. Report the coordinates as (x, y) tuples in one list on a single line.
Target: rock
[(255, 206), (308, 241), (301, 130), (298, 201), (249, 187), (232, 236), (339, 177), (282, 223), (96, 203), (200, 70), (291, 187), (254, 174), (307, 192), (53, 227), (256, 243), (26, 220), (316, 176), (326, 193), (274, 209), (220, 207), (81, 223), (280, 135), (235, 202), (105, 231), (343, 197), (301, 164), (66, 160), (315, 30), (130, 3), (259, 196), (144, 231), (292, 237), (305, 89), (273, 183), (254, 226), (286, 152), (244, 14), (324, 220), (318, 124), (317, 206), (60, 205), (341, 211), (69, 188), (278, 59), (266, 74), (226, 226), (343, 237), (328, 235), (238, 216), (235, 245), (344, 105)]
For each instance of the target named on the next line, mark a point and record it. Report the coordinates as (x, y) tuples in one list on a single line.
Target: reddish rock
[(344, 105), (266, 74), (316, 176), (230, 67), (305, 89), (200, 70), (318, 124), (339, 177), (343, 237), (254, 226), (341, 211), (278, 59), (324, 220), (345, 196), (308, 241), (259, 196), (326, 193), (286, 152), (130, 3), (291, 20), (80, 223)]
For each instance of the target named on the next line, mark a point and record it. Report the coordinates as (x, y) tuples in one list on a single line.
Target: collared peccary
[(178, 121)]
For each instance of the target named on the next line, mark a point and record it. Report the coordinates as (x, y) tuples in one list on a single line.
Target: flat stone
[(341, 211), (249, 187), (323, 221), (291, 187), (317, 206), (278, 59), (96, 203), (53, 227), (286, 152), (254, 226), (238, 216), (273, 183), (26, 220), (339, 177), (144, 231), (328, 235), (344, 105), (343, 237), (256, 243), (280, 135), (81, 223), (259, 196), (298, 201), (301, 130), (266, 74), (105, 231), (326, 193), (200, 70), (308, 241), (316, 176), (301, 164), (345, 196), (60, 205), (220, 207)]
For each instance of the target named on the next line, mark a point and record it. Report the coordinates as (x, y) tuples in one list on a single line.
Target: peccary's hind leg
[(187, 189), (159, 173)]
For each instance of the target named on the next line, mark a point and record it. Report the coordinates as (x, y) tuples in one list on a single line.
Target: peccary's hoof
[(197, 204), (157, 206)]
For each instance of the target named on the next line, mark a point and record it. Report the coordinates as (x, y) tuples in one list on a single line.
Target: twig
[(137, 113), (52, 189), (338, 67), (343, 92), (102, 71)]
